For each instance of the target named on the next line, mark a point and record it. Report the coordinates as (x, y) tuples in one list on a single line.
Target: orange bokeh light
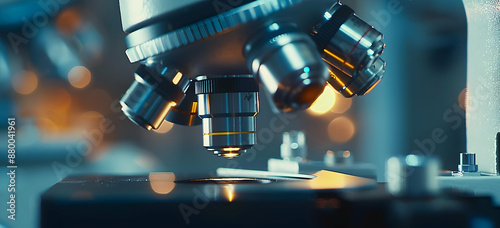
[(79, 77), (25, 82), (462, 99), (162, 182), (68, 21), (341, 129)]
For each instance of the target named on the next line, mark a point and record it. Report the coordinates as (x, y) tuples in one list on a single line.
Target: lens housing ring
[(226, 85), (328, 29)]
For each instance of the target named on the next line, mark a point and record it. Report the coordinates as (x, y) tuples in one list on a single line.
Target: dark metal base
[(104, 201)]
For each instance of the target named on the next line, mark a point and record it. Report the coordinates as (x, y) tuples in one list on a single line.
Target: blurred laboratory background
[(63, 70)]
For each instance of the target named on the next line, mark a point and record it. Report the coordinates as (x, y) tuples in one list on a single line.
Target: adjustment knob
[(467, 162), (412, 176)]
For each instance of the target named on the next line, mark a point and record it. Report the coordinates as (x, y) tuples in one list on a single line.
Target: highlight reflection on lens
[(325, 102)]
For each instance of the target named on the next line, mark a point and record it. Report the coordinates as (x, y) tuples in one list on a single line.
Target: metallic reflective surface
[(228, 180), (361, 85), (151, 97), (352, 52), (288, 46), (246, 173), (186, 112), (370, 77), (228, 117), (287, 65), (134, 13), (205, 44), (158, 38), (467, 162)]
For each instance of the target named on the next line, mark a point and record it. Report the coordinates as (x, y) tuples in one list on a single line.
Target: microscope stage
[(327, 199), (180, 200)]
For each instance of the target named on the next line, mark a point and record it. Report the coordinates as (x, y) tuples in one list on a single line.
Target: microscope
[(203, 62)]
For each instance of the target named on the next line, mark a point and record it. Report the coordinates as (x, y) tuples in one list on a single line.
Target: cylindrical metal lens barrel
[(351, 48), (151, 96), (362, 84), (467, 162), (227, 106), (286, 63)]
